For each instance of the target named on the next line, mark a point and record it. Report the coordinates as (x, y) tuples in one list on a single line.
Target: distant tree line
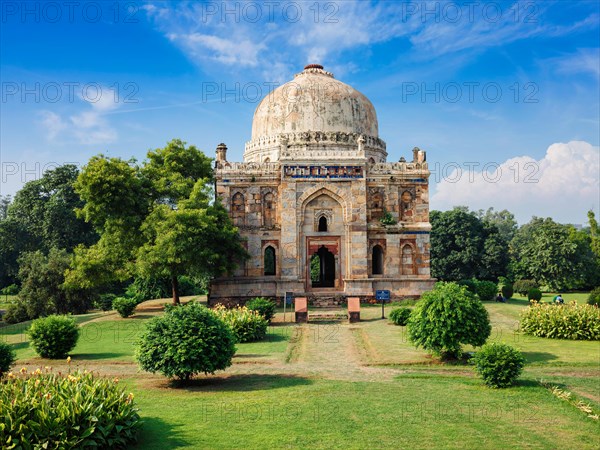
[(489, 245)]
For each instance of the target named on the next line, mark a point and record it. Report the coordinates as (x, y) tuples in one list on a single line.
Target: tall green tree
[(504, 221), (154, 220), (42, 285), (594, 233), (5, 201), (463, 246), (543, 250), (40, 217)]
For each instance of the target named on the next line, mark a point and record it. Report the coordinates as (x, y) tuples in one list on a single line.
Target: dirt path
[(331, 351)]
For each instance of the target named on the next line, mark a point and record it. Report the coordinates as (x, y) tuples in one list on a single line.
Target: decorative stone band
[(418, 172), (248, 168), (330, 144)]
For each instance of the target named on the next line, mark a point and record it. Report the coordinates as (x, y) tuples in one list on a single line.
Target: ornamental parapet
[(248, 168)]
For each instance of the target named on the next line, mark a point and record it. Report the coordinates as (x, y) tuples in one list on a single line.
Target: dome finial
[(313, 66)]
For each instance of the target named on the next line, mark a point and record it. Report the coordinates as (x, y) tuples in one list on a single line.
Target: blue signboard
[(289, 298), (382, 295)]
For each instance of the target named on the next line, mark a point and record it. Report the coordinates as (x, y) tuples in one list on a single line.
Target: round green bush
[(523, 286), (507, 291), (534, 294), (66, 411), (594, 298), (399, 316), (263, 306), (124, 306), (105, 302), (185, 341), (447, 317), (53, 336), (498, 364), (486, 290), (7, 357), (16, 312), (471, 285), (247, 325), (12, 289)]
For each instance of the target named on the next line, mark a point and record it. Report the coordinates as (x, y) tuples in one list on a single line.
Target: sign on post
[(288, 300), (382, 296)]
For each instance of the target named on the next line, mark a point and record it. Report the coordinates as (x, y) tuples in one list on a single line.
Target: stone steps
[(327, 316), (325, 302)]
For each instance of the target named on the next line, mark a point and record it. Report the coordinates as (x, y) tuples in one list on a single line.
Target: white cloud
[(52, 123), (564, 184), (585, 60), (226, 51), (89, 126), (256, 35)]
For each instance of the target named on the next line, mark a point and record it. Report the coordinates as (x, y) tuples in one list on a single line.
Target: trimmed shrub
[(105, 302), (562, 321), (507, 291), (53, 336), (74, 410), (594, 298), (471, 285), (7, 357), (150, 288), (486, 290), (16, 312), (534, 294), (12, 289), (523, 286), (447, 317), (263, 306), (124, 306), (185, 341), (399, 316), (247, 325), (498, 364)]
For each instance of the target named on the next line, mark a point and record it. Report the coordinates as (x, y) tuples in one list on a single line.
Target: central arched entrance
[(322, 268)]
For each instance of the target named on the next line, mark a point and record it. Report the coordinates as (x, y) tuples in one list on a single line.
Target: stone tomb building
[(322, 212)]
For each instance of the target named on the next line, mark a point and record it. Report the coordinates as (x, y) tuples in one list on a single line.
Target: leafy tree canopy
[(550, 253), (40, 217), (464, 246), (156, 219)]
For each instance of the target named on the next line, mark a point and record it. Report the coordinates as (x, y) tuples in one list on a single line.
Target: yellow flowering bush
[(558, 321), (247, 325), (43, 409)]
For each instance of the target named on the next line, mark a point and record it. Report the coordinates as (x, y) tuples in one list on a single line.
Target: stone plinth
[(353, 309), (301, 308)]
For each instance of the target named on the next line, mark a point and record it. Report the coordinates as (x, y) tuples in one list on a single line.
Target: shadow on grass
[(20, 345), (527, 383), (376, 319), (250, 355), (539, 356), (156, 433), (241, 383), (517, 301), (95, 356), (277, 336)]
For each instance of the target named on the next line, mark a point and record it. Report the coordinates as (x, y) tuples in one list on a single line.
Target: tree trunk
[(175, 284)]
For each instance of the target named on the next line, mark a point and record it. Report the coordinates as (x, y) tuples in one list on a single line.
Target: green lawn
[(339, 385)]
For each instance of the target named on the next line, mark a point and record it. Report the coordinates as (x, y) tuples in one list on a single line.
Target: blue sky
[(509, 87)]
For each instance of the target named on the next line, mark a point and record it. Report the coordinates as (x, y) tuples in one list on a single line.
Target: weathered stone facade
[(322, 212)]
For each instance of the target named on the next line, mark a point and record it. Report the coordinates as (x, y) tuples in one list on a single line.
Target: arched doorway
[(377, 260), (322, 268)]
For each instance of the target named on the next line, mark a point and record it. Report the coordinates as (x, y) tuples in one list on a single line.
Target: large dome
[(314, 101), (317, 113)]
